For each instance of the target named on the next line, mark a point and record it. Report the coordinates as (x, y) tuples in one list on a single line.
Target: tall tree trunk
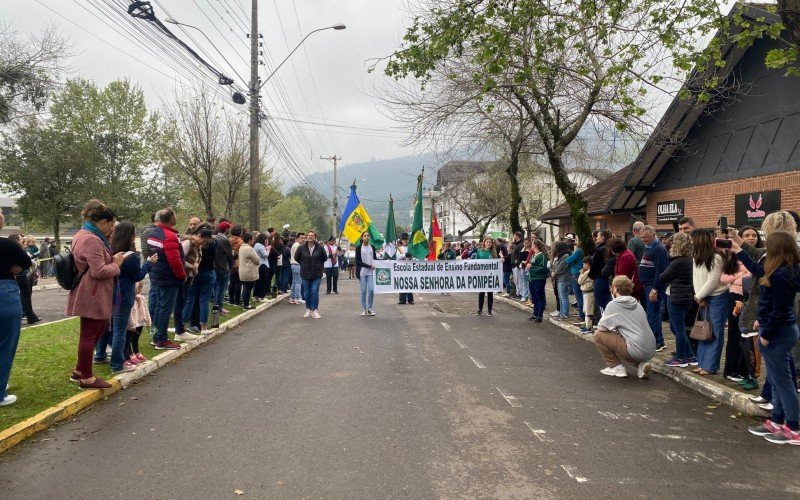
[(516, 197), (790, 15), (577, 205), (485, 228), (56, 228)]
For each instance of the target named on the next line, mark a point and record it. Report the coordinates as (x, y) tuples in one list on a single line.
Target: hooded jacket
[(626, 315), (168, 269)]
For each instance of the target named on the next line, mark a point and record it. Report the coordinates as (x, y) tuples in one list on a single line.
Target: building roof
[(456, 172), (597, 196), (679, 118)]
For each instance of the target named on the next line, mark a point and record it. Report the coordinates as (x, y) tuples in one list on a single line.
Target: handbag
[(702, 330)]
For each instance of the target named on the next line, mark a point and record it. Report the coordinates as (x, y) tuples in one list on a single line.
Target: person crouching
[(623, 332)]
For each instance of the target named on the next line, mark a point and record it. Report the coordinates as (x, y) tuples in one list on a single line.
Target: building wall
[(618, 224), (706, 203)]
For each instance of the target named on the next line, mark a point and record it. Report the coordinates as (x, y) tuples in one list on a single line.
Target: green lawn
[(45, 358)]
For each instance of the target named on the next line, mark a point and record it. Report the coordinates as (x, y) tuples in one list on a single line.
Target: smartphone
[(722, 243), (723, 225)]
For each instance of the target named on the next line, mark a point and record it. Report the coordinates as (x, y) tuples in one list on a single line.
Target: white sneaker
[(766, 406), (300, 301), (644, 369), (363, 312), (315, 314), (554, 313), (307, 314), (10, 399), (186, 337), (205, 331), (171, 329), (757, 399), (370, 312), (616, 371)]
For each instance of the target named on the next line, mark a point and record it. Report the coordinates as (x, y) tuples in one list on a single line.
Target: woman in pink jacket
[(91, 299)]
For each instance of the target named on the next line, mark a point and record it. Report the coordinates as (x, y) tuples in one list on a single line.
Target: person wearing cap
[(223, 260), (402, 249)]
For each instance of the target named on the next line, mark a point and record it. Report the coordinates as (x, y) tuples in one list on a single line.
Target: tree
[(569, 64), (29, 71), (291, 210), (316, 205), (479, 197), (53, 171), (116, 120)]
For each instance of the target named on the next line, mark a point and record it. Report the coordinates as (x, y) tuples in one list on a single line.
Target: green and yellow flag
[(355, 220), (418, 243)]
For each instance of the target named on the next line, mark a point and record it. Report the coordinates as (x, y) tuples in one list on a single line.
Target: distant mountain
[(376, 179)]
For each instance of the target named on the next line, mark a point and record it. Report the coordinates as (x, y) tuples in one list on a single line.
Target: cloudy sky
[(324, 84)]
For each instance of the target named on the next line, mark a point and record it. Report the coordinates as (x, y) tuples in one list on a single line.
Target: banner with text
[(436, 276)]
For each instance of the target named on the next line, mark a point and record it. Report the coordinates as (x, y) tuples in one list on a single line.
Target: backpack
[(65, 270)]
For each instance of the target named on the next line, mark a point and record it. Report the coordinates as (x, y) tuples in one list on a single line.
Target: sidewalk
[(716, 388)]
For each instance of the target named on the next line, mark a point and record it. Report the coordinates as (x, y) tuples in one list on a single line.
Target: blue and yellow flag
[(355, 221)]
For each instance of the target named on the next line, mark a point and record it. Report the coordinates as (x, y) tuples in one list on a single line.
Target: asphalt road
[(421, 401)]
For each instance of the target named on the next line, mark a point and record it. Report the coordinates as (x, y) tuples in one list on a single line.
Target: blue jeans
[(563, 296), (311, 292), (507, 281), (220, 286), (602, 295), (367, 290), (777, 358), (766, 391), (166, 296), (536, 289), (297, 283), (709, 353), (576, 289), (524, 289), (202, 287), (653, 310), (283, 278), (10, 325), (152, 303), (119, 324), (103, 341), (677, 325)]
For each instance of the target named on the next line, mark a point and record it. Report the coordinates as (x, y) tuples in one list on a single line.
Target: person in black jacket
[(602, 292), (680, 297), (311, 257)]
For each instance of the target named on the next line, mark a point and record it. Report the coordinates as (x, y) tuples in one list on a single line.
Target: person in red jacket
[(626, 265)]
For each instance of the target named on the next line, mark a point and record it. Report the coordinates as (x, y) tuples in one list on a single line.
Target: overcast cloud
[(336, 59)]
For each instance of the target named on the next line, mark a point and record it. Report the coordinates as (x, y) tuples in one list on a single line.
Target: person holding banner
[(489, 251), (402, 254), (365, 262)]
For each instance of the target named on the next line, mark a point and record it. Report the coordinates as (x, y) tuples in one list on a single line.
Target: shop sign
[(751, 208), (668, 212)]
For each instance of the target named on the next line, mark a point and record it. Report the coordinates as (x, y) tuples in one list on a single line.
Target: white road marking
[(573, 473), (627, 416), (508, 397), (696, 457), (477, 363), (540, 434), (446, 326), (460, 344), (667, 436)]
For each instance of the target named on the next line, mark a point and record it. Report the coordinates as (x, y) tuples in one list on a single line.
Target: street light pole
[(334, 201), (255, 178)]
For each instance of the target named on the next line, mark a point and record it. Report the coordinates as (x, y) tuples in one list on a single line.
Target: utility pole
[(334, 203), (255, 170)]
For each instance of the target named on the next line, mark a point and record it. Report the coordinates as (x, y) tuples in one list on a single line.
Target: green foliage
[(54, 171), (316, 206), (290, 210)]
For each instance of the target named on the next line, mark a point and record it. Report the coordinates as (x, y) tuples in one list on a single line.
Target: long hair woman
[(711, 292), (778, 333), (123, 241), (261, 285), (537, 277), (365, 264), (735, 274), (92, 298), (677, 277), (562, 278), (487, 251), (602, 290)]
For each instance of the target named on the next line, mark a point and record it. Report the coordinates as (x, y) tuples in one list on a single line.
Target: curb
[(77, 403), (706, 387)]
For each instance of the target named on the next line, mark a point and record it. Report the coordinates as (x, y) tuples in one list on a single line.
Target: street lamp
[(337, 27)]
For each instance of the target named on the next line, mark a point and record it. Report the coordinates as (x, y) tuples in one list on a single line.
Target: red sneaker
[(140, 357), (166, 345)]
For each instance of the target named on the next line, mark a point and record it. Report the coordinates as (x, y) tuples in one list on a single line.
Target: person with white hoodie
[(623, 332)]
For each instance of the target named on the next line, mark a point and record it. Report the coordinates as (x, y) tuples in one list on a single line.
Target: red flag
[(436, 240)]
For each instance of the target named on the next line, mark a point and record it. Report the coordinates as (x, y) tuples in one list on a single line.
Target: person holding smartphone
[(365, 263)]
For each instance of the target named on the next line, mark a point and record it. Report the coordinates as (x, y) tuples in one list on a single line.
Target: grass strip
[(45, 358)]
